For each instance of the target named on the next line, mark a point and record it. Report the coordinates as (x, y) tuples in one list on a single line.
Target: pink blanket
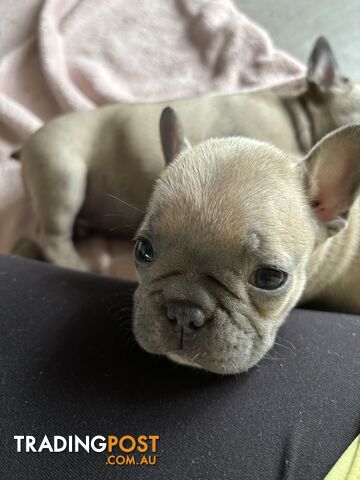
[(84, 53)]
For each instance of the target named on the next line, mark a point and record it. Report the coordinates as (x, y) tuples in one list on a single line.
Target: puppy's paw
[(75, 263), (26, 247)]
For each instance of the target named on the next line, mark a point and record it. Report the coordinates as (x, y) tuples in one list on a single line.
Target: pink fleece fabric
[(85, 53)]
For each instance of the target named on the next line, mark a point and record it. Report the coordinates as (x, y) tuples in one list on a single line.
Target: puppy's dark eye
[(268, 278), (143, 250)]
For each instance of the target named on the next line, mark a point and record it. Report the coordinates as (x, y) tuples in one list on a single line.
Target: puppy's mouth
[(227, 343), (228, 358), (181, 347)]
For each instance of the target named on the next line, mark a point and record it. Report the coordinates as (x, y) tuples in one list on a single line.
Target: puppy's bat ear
[(173, 140), (333, 176), (322, 68)]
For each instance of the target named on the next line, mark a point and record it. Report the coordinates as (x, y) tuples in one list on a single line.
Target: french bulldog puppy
[(75, 165), (238, 232)]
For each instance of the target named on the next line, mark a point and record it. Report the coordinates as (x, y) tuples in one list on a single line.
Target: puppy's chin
[(177, 358), (220, 370), (220, 367)]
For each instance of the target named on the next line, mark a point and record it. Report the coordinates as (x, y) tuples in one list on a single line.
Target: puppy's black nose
[(186, 315)]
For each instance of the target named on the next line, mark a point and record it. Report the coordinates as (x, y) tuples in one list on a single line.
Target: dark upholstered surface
[(69, 365)]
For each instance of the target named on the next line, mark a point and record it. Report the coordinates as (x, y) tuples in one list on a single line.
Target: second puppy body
[(74, 165)]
